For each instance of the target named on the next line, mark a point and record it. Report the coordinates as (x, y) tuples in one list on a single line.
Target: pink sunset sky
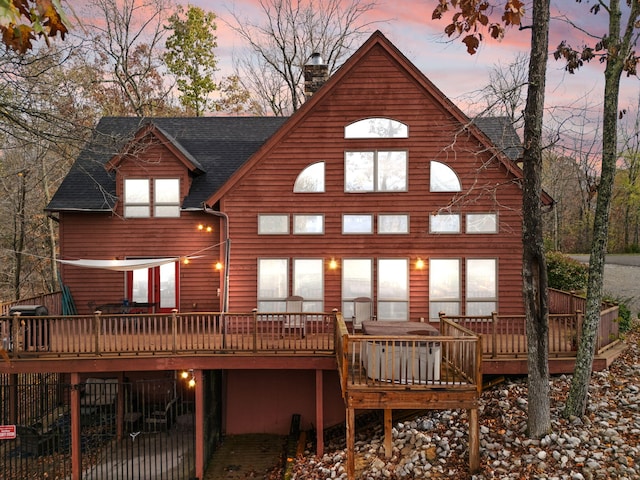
[(408, 24)]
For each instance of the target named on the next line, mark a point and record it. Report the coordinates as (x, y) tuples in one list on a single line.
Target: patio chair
[(295, 323), (362, 311), (161, 416)]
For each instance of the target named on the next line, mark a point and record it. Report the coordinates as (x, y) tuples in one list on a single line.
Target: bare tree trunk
[(534, 263), (18, 234), (619, 48)]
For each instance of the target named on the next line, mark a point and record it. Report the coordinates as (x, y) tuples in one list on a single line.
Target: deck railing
[(451, 359), (176, 333), (53, 302), (506, 335)]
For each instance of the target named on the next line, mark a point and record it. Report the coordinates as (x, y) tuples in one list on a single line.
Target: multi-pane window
[(137, 197), (311, 179), (375, 171), (393, 289), (376, 127), (482, 223), (481, 290), (356, 282), (357, 223), (444, 223), (137, 203), (166, 197), (273, 284), (443, 178), (308, 282), (444, 286), (312, 224), (273, 224)]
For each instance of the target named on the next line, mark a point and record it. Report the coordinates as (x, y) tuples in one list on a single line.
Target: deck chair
[(362, 311), (294, 323)]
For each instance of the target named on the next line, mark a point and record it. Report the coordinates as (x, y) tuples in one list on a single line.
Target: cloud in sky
[(408, 24)]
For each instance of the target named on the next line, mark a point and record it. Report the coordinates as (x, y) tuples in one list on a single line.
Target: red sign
[(7, 432)]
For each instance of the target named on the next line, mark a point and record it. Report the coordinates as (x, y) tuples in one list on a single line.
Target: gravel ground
[(602, 445)]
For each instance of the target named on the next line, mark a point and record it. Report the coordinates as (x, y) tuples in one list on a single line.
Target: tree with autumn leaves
[(615, 47), (23, 21)]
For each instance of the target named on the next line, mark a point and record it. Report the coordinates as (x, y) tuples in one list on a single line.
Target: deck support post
[(388, 434), (199, 423), (351, 460), (76, 447), (319, 413), (474, 441)]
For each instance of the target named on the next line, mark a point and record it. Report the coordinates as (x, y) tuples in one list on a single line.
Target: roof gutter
[(227, 254)]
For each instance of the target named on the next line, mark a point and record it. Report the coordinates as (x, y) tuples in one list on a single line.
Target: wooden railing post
[(255, 329), (494, 334), (96, 331), (174, 329), (15, 334)]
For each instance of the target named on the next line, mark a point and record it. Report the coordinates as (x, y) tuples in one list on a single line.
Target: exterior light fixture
[(189, 377), (419, 264), (205, 228), (219, 266), (333, 264)]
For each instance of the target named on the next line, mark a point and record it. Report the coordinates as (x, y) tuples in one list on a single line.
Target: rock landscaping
[(604, 444)]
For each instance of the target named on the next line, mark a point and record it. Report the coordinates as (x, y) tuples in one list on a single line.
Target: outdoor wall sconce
[(219, 266), (419, 264), (205, 228), (333, 264)]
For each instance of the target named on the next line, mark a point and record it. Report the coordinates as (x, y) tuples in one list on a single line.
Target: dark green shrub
[(565, 273)]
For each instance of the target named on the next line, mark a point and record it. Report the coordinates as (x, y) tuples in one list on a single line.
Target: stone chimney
[(316, 73)]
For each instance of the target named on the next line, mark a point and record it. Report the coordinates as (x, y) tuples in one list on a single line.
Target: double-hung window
[(274, 286), (137, 197)]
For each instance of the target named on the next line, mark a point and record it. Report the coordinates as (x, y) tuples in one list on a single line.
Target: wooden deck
[(98, 336)]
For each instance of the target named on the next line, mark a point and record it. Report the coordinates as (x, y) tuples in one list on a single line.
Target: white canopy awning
[(121, 265)]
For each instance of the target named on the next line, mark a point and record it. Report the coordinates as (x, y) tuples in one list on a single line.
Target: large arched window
[(311, 179), (376, 127), (444, 178)]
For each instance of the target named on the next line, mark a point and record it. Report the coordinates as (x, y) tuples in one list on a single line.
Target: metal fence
[(151, 435)]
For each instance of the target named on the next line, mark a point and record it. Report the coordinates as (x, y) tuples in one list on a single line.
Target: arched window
[(444, 178), (311, 179), (376, 127)]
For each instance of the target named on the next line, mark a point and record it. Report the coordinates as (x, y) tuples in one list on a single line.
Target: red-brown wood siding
[(111, 236), (376, 87)]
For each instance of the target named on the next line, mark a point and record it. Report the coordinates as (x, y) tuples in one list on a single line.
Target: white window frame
[(376, 127), (449, 296), (478, 223), (272, 284), (308, 224), (169, 208), (363, 175), (393, 223), (357, 224), (135, 205), (265, 228), (444, 223), (352, 287), (486, 301), (313, 297), (311, 179), (443, 178), (393, 289)]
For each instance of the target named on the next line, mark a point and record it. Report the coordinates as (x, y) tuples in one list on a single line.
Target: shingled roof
[(217, 145)]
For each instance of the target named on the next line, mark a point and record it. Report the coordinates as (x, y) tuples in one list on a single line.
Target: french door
[(156, 286)]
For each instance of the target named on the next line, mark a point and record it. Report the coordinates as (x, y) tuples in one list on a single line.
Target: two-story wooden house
[(378, 187)]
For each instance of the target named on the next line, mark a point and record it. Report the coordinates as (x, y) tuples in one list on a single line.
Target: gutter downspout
[(227, 254)]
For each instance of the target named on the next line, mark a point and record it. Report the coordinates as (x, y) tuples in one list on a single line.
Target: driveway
[(621, 278)]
